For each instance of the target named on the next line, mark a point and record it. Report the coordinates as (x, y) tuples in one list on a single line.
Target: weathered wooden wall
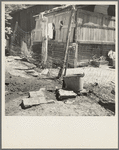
[(95, 34), (92, 27), (61, 33), (95, 27)]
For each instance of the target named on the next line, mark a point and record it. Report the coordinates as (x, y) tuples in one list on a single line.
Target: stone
[(32, 72), (83, 92), (29, 102), (45, 72), (40, 93), (113, 92), (64, 94)]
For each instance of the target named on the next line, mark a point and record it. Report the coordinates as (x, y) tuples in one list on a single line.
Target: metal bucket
[(74, 82)]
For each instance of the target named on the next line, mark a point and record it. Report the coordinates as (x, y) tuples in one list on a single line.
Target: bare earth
[(18, 82)]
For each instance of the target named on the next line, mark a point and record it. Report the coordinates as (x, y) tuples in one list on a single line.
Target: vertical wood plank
[(92, 33), (89, 35), (62, 34), (113, 35), (85, 34), (45, 41), (76, 55), (100, 35)]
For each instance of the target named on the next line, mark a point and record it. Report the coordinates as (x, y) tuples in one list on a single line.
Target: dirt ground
[(18, 82)]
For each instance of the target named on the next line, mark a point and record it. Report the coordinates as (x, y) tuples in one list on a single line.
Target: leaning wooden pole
[(64, 66)]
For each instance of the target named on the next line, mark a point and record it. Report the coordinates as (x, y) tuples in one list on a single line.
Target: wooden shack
[(92, 32)]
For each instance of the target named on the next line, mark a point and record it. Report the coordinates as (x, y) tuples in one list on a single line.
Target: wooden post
[(76, 55), (76, 47), (44, 41), (13, 37), (67, 44)]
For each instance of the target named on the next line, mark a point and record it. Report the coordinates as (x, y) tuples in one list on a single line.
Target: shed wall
[(61, 33), (95, 27)]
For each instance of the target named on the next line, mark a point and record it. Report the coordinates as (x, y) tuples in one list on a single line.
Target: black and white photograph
[(60, 59)]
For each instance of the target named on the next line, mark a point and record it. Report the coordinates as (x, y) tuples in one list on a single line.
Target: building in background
[(92, 32), (25, 17)]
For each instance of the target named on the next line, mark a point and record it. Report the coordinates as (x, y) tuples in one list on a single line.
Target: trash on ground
[(113, 92), (40, 93), (83, 92), (6, 82), (64, 94), (102, 58), (83, 64), (30, 71), (69, 102), (95, 63), (28, 102), (45, 72), (28, 64), (10, 60), (95, 84), (111, 58), (107, 105), (14, 57), (31, 101), (111, 54), (33, 73)]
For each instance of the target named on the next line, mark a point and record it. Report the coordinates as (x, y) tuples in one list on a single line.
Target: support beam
[(44, 40)]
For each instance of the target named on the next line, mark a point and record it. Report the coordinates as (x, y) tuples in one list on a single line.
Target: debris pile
[(72, 86), (96, 62)]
